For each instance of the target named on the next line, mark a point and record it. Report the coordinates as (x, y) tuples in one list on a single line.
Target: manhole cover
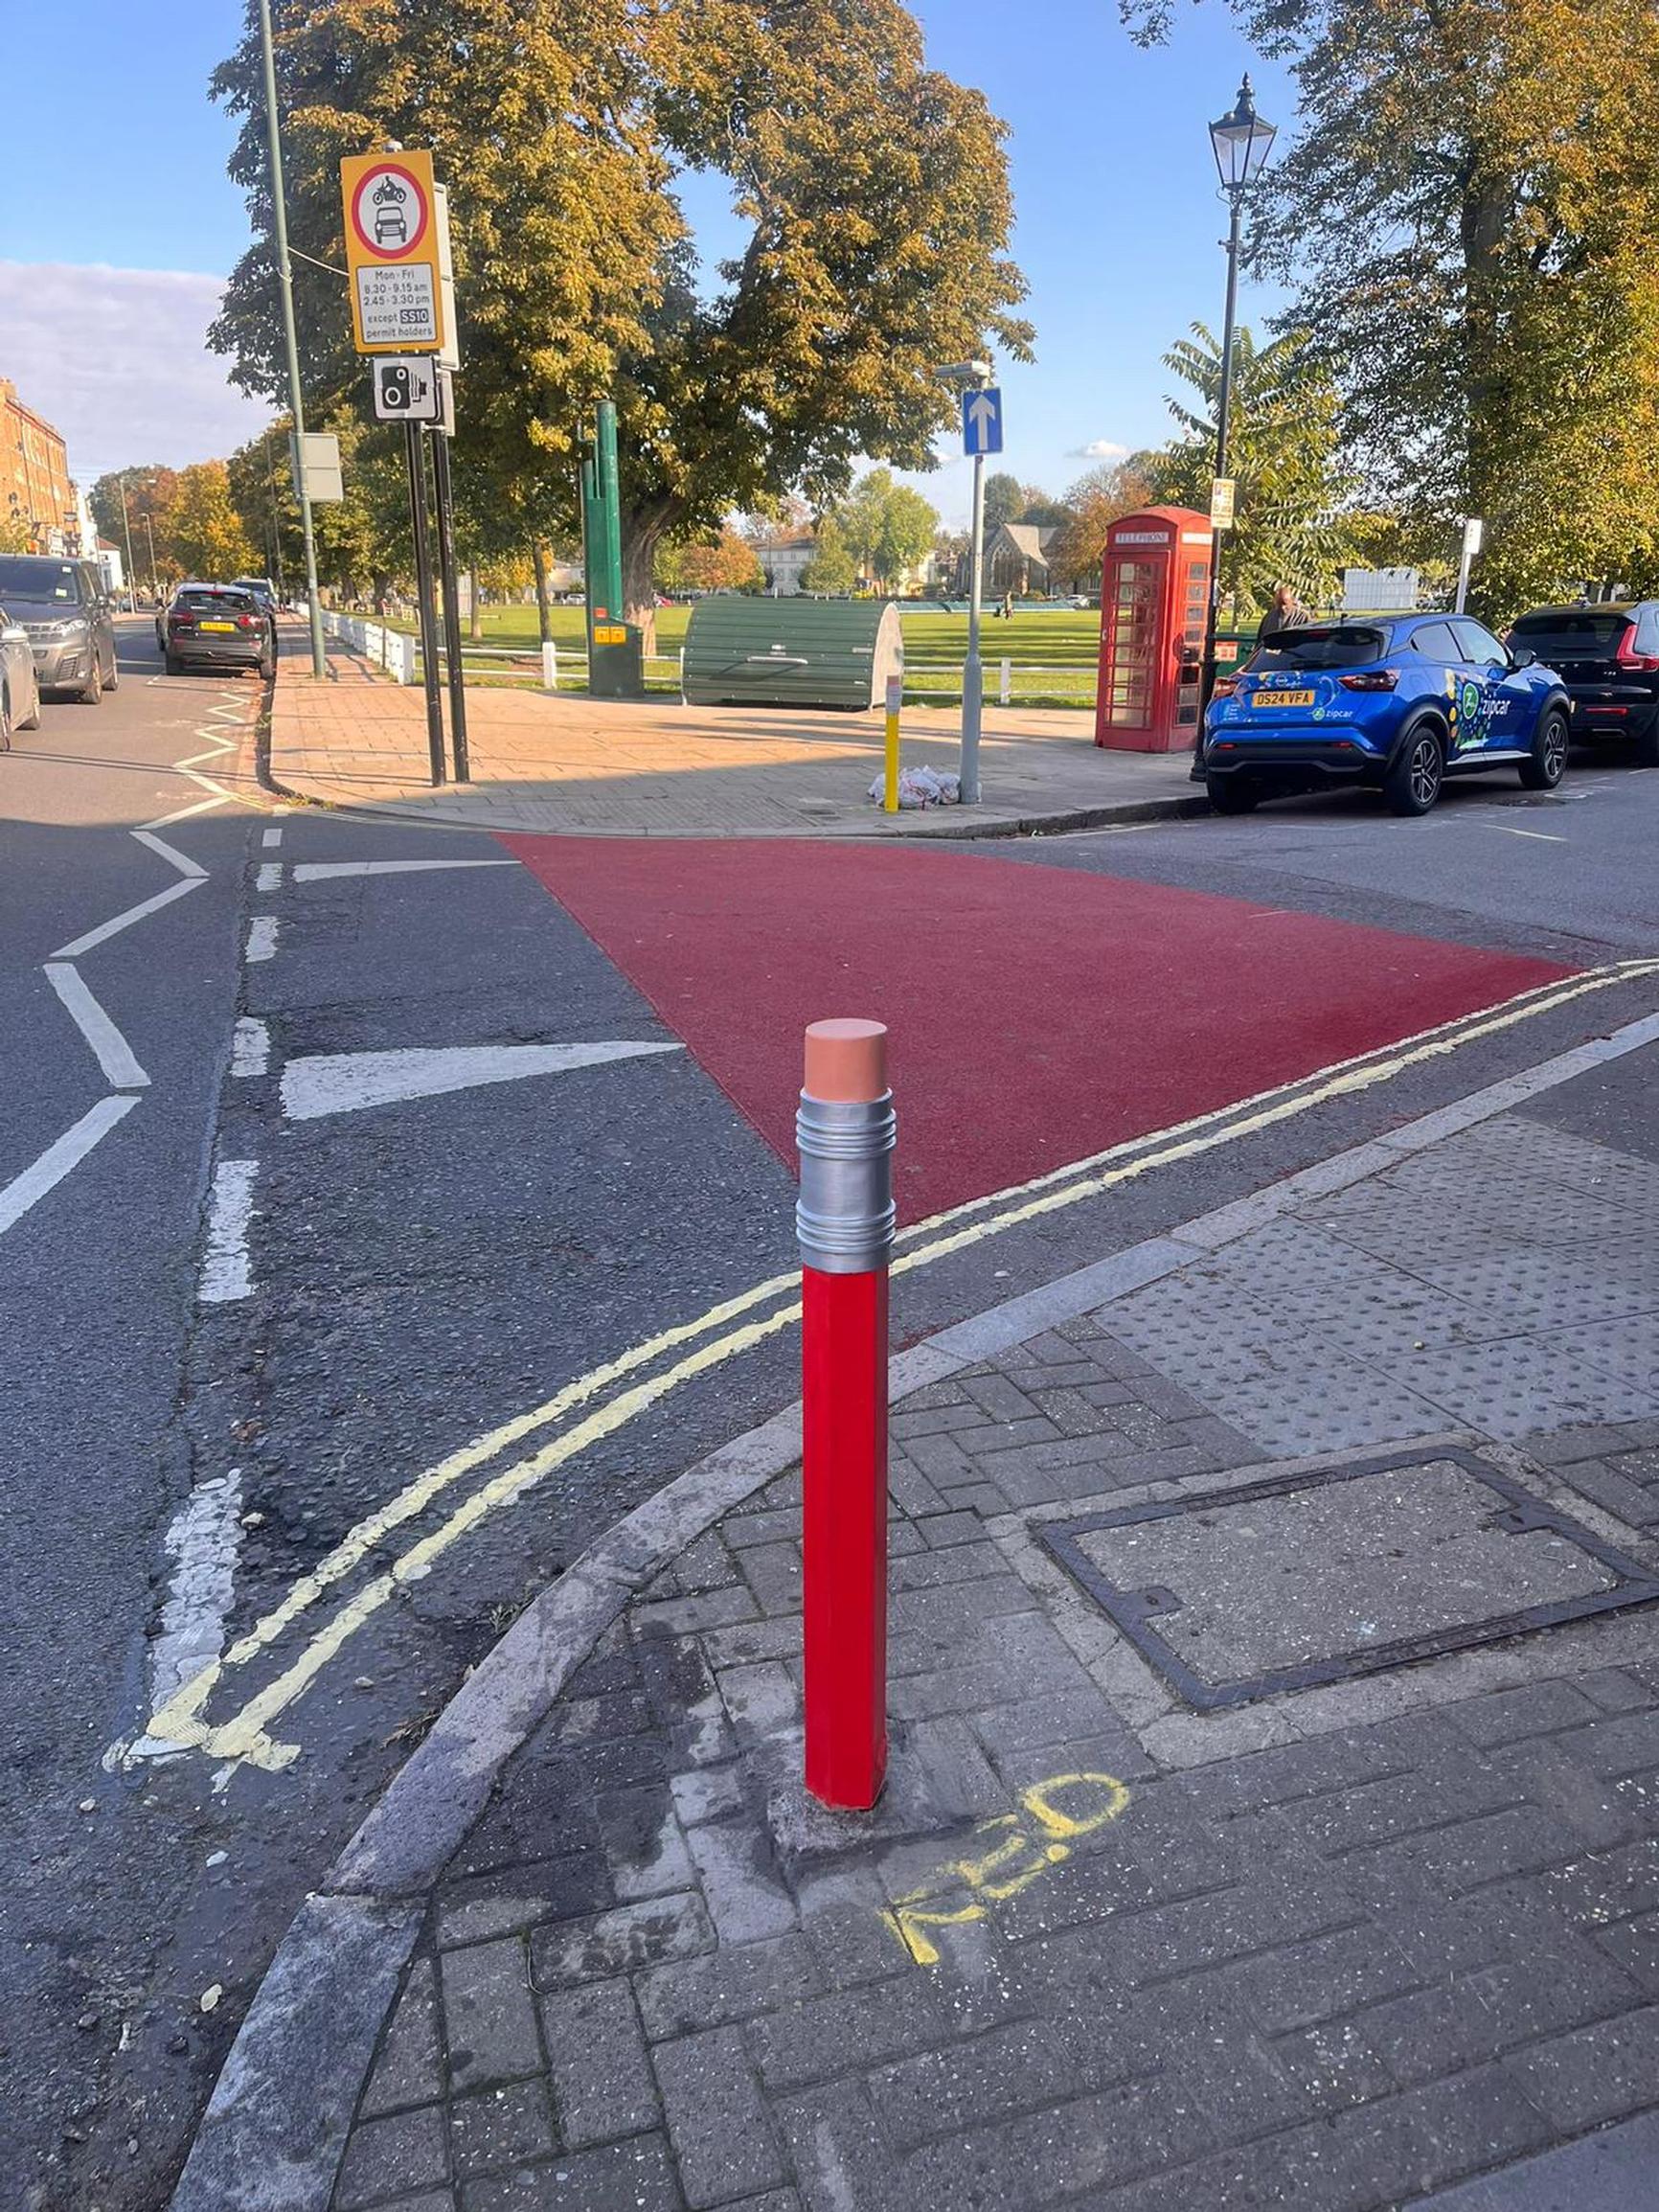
[(1308, 1578)]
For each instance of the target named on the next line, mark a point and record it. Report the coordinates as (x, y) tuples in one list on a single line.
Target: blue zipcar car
[(1396, 703)]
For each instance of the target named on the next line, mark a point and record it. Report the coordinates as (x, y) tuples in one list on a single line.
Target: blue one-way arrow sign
[(981, 422)]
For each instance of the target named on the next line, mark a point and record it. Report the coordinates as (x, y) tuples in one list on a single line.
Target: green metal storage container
[(793, 652)]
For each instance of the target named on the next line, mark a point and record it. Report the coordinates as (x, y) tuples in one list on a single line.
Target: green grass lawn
[(1066, 641)]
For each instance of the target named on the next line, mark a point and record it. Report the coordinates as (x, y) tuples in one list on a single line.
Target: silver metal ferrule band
[(846, 1216)]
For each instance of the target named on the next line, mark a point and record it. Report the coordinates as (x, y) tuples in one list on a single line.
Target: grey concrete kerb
[(275, 2129)]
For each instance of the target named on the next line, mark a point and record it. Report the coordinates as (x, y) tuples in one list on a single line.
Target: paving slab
[(1347, 1945), (569, 765)]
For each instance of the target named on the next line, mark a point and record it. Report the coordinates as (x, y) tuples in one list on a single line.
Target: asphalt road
[(319, 1369)]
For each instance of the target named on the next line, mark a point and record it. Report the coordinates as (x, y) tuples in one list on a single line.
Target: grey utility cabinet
[(793, 652)]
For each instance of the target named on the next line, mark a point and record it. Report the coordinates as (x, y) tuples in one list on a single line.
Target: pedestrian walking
[(1285, 611)]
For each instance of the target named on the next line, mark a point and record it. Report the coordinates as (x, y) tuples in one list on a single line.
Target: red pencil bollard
[(846, 1131)]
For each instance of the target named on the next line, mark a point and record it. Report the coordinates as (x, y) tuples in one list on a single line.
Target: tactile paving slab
[(1316, 1576)]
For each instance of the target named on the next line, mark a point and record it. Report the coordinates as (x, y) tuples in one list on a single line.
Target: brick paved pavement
[(658, 768), (1335, 1949)]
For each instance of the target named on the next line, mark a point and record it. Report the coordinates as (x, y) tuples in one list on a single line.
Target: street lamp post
[(126, 533), (290, 340), (155, 572), (1241, 142)]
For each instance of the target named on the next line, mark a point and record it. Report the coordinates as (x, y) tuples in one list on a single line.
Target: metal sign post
[(397, 228), (450, 584), (981, 434), (423, 592)]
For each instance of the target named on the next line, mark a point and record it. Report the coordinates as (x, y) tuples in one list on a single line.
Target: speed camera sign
[(408, 390)]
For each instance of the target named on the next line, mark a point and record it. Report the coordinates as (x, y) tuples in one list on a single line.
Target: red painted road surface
[(1038, 1015)]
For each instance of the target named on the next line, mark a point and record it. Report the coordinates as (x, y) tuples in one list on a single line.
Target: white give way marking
[(343, 1083)]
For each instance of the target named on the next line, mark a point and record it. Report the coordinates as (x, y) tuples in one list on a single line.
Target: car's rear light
[(1225, 687), (245, 622), (1372, 680), (1628, 657), (181, 621)]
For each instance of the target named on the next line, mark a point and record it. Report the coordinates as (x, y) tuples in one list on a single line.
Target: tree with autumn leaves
[(188, 515), (1465, 220), (875, 192)]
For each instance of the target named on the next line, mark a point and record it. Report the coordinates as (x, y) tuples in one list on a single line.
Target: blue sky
[(1114, 190)]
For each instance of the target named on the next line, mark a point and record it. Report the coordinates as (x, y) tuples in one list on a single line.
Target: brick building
[(35, 493)]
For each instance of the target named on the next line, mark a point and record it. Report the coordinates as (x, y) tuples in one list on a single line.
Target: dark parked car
[(215, 626), (1397, 702), (1608, 658), (68, 614)]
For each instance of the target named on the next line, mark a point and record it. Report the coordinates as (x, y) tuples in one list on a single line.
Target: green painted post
[(609, 485)]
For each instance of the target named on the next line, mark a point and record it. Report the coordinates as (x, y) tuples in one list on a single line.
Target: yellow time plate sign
[(391, 253)]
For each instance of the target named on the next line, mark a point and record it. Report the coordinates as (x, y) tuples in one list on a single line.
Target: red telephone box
[(1155, 598)]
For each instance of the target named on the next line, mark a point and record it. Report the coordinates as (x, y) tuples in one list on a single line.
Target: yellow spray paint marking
[(1042, 1834), (920, 1245)]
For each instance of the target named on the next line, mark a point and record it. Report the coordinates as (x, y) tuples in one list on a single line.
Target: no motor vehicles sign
[(392, 251)]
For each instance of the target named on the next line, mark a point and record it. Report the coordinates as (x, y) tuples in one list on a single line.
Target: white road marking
[(1542, 836), (184, 814), (270, 877), (202, 1546), (30, 1187), (270, 839), (226, 1268), (261, 937), (111, 1050), (319, 871), (146, 906), (171, 854), (343, 1083), (250, 1047), (243, 1736)]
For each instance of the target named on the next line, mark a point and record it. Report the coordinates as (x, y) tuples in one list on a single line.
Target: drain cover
[(1308, 1578)]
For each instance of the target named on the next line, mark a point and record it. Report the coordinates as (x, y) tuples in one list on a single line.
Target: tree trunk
[(543, 605), (474, 606), (644, 529)]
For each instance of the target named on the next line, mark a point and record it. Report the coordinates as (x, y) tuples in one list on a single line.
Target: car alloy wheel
[(1414, 778), (5, 722), (1547, 762), (1425, 770)]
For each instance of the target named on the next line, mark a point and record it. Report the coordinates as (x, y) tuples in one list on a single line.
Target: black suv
[(67, 613), (214, 625), (1608, 657)]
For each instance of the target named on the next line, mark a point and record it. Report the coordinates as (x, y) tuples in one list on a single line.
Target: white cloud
[(118, 360), (1099, 449)]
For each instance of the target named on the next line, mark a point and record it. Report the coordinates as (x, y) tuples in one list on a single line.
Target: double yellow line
[(724, 1333)]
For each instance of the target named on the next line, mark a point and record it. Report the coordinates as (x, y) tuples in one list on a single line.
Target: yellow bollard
[(894, 698)]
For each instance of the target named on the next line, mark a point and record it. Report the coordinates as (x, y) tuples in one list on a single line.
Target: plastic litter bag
[(920, 787)]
